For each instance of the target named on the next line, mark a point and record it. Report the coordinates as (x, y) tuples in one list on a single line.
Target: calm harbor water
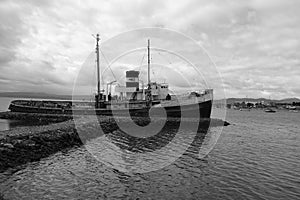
[(256, 157), (6, 124), (10, 124)]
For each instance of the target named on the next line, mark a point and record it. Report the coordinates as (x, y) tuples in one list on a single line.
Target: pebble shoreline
[(27, 144)]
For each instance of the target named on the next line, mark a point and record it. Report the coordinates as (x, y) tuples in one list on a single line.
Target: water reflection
[(6, 124), (249, 162)]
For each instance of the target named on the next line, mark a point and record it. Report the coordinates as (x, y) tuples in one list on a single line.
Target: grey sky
[(255, 44)]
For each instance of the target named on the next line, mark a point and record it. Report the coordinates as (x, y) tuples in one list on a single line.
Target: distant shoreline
[(29, 95), (33, 95)]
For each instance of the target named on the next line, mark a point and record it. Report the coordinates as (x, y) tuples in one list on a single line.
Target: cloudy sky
[(254, 44)]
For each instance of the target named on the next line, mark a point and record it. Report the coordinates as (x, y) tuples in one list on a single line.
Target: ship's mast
[(98, 65), (148, 62), (148, 95)]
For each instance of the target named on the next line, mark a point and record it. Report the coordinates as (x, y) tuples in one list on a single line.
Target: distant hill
[(289, 100), (34, 95), (40, 95), (232, 100)]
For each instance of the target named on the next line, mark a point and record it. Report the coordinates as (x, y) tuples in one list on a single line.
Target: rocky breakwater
[(26, 144), (35, 117)]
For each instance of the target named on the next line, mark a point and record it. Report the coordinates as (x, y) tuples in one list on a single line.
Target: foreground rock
[(35, 117), (26, 144)]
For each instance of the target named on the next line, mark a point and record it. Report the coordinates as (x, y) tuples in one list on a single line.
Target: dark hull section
[(202, 110), (33, 109)]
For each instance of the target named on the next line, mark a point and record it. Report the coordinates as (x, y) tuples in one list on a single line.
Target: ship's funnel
[(132, 81)]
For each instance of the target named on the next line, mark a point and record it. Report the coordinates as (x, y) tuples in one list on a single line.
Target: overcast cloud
[(255, 44)]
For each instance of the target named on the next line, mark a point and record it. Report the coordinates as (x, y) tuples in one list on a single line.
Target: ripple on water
[(253, 160)]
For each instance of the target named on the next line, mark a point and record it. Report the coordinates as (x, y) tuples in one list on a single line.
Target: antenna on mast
[(98, 64), (148, 95), (149, 62), (98, 95)]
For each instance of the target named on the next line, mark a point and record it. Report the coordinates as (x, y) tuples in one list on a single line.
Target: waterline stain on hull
[(202, 110)]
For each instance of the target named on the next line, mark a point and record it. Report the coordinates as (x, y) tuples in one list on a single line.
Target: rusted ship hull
[(196, 110)]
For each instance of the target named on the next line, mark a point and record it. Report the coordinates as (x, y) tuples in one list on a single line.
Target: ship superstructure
[(134, 95)]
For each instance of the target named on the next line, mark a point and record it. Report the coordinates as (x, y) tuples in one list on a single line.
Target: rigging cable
[(164, 58), (94, 81), (153, 70), (108, 65), (142, 63), (171, 62)]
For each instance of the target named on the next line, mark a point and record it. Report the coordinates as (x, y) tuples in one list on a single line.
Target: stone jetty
[(35, 117), (26, 144)]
